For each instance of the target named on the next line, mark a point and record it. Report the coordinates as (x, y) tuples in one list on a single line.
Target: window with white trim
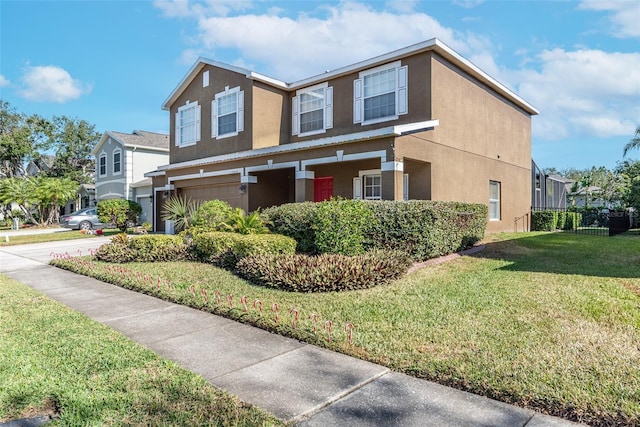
[(312, 110), (368, 185), (102, 164), (380, 94), (372, 187), (494, 200), (187, 124), (227, 113), (117, 161)]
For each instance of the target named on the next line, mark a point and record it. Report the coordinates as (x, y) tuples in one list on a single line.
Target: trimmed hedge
[(296, 221), (323, 273), (226, 249), (544, 220), (340, 226), (426, 229), (550, 220), (159, 247), (150, 248), (422, 228)]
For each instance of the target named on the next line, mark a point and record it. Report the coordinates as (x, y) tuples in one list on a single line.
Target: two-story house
[(122, 159), (421, 122)]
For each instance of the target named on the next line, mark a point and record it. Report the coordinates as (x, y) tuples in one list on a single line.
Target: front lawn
[(55, 361), (53, 237), (549, 321)]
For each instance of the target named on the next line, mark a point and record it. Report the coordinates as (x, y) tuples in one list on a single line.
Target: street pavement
[(297, 382)]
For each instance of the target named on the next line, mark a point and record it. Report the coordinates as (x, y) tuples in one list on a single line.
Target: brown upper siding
[(219, 79), (418, 98)]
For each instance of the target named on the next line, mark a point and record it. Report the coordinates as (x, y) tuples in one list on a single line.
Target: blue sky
[(113, 63)]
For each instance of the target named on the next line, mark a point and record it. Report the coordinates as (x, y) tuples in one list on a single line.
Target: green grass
[(549, 321), (56, 361), (52, 237)]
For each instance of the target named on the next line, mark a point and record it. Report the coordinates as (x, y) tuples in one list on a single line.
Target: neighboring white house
[(122, 159)]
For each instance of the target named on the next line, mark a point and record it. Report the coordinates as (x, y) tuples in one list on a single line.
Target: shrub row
[(147, 248), (323, 273), (422, 228), (220, 247), (226, 249), (550, 220)]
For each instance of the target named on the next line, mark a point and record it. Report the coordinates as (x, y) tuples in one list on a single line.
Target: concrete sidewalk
[(296, 382)]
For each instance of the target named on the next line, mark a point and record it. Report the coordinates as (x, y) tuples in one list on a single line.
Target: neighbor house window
[(312, 110), (380, 94), (188, 124), (102, 164), (227, 113), (117, 162), (494, 200)]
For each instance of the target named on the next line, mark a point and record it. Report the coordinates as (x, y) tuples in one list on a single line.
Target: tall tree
[(629, 171), (73, 141), (21, 137), (633, 144)]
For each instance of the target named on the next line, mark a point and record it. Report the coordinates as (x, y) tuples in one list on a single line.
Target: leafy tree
[(21, 138), (633, 144), (119, 212), (73, 141), (610, 186), (629, 171)]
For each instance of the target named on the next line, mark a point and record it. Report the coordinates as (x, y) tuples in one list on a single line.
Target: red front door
[(322, 188)]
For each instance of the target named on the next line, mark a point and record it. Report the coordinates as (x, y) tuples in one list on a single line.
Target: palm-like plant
[(241, 223), (633, 144), (181, 211), (53, 193)]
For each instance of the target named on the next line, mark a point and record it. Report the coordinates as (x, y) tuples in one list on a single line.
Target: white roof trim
[(306, 145)]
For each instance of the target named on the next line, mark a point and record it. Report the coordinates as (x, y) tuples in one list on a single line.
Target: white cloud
[(468, 4), (185, 8), (403, 6), (296, 48), (582, 93), (624, 15), (51, 83), (3, 81)]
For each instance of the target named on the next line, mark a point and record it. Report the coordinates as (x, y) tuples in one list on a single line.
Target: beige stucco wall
[(271, 116), (481, 137)]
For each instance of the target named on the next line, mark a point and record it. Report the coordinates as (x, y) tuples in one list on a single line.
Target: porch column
[(245, 190), (392, 179), (304, 186)]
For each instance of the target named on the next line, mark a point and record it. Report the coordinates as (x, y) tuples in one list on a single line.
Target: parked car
[(84, 219)]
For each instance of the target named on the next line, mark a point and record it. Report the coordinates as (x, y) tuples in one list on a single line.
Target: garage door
[(229, 193)]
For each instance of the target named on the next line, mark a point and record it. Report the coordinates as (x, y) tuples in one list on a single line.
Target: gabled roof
[(434, 45), (138, 138)]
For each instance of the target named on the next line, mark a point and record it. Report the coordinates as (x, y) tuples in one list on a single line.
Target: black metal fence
[(600, 222)]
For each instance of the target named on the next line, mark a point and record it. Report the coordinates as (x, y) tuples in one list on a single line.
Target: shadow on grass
[(567, 253)]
